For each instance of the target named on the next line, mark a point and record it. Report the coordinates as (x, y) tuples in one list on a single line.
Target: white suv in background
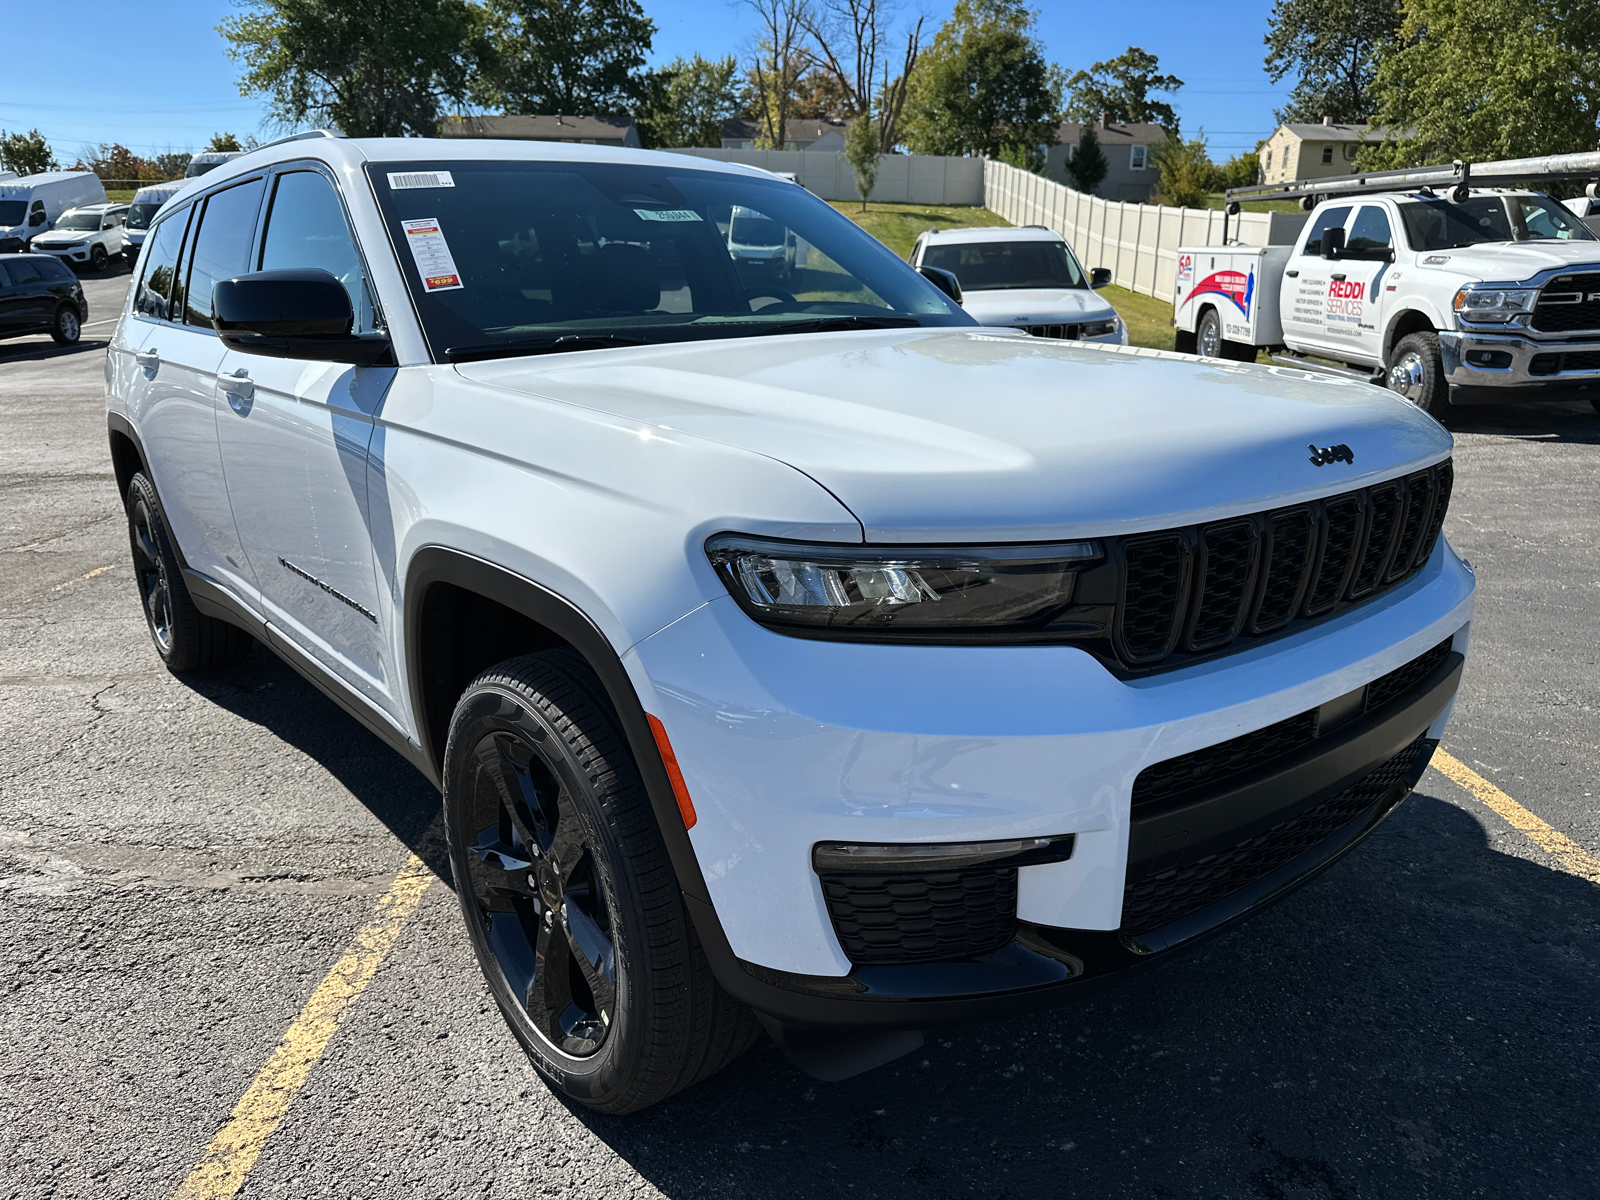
[(799, 655), (89, 236), (1026, 279)]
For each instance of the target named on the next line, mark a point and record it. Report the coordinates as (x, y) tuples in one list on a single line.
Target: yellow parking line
[(222, 1168), (61, 587), (1568, 853)]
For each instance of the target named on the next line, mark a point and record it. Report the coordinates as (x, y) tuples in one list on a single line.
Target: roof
[(795, 129), (993, 233), (169, 188), (544, 128), (44, 177), (107, 206), (1068, 133), (1340, 133)]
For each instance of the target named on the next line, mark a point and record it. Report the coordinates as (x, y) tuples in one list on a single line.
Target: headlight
[(1492, 304), (1101, 328), (876, 589)]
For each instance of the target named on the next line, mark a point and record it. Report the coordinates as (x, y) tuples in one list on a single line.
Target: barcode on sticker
[(400, 180), (668, 214)]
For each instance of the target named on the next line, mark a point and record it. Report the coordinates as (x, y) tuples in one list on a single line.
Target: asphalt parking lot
[(183, 861)]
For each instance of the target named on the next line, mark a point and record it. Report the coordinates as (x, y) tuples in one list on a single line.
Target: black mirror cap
[(298, 313), (1100, 277), (945, 281), (1333, 241)]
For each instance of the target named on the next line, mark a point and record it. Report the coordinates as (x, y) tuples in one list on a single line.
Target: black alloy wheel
[(572, 907), (185, 638), (98, 258), (65, 328)]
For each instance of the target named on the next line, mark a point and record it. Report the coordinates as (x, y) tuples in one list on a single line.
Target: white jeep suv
[(89, 236), (794, 655)]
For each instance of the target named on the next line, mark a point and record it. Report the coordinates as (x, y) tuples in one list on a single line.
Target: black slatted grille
[(1287, 549), (1341, 529), (1175, 781), (1227, 568), (1153, 586), (1566, 304), (1385, 513), (1444, 479), (1053, 331), (1167, 896), (1419, 499), (937, 916)]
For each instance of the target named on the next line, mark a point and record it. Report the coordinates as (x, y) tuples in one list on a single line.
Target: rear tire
[(1209, 342), (65, 327), (185, 638), (1416, 374), (571, 903)]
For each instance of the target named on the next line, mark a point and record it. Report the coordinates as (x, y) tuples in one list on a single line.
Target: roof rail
[(306, 136), (1551, 168)]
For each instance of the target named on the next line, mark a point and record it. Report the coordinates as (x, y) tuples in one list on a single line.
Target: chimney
[(1327, 120), (1105, 118)]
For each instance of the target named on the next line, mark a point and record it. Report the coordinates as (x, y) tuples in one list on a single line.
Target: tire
[(98, 258), (570, 901), (1208, 339), (65, 327), (1594, 402), (1416, 374), (185, 638)]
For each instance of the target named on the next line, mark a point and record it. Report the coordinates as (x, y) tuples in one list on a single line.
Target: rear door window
[(25, 271), (154, 293), (222, 247)]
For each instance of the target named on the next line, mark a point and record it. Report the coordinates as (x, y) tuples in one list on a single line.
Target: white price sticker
[(402, 180), (667, 214), (432, 255)]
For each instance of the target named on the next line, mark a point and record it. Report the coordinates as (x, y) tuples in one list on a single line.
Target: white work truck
[(1444, 297)]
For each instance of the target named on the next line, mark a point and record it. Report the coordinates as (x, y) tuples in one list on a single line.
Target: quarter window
[(154, 292), (222, 248), (307, 228)]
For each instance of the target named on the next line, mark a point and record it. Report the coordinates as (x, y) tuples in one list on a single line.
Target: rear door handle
[(238, 386)]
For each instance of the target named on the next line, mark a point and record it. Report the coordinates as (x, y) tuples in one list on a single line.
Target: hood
[(957, 435), (1507, 262), (1028, 306), (56, 236)]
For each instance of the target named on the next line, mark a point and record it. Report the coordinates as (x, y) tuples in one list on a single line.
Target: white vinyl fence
[(1139, 242), (902, 178)]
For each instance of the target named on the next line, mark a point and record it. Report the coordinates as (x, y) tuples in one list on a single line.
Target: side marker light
[(670, 761)]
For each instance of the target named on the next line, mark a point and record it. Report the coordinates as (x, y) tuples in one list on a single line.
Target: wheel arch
[(1407, 321), (127, 453)]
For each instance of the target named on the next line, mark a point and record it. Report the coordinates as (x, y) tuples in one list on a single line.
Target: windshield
[(13, 212), (1433, 223), (200, 168), (508, 257), (750, 228), (79, 221), (140, 215), (993, 266)]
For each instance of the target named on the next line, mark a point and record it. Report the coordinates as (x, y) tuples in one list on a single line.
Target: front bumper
[(786, 742), (1478, 359), (70, 254)]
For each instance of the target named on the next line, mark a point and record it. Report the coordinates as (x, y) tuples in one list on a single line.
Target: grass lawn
[(120, 195), (1215, 199), (897, 226)]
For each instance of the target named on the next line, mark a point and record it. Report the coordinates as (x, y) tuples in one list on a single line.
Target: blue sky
[(156, 76)]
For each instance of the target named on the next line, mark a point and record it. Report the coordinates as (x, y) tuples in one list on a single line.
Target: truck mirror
[(1333, 242)]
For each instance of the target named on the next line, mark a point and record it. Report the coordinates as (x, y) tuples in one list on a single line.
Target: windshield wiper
[(550, 345), (837, 325)]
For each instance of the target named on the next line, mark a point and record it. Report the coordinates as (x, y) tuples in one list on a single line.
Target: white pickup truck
[(1442, 300)]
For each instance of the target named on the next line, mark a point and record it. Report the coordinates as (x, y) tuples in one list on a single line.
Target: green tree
[(982, 85), (782, 59), (687, 100), (584, 57), (1488, 79), (861, 152), (112, 160), (1187, 173), (1332, 48), (373, 68), (1088, 165), (171, 164), (1120, 88), (26, 153), (1242, 170), (223, 143)]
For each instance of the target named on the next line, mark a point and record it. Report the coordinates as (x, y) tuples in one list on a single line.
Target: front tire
[(1416, 374), (185, 638), (570, 901), (65, 328), (98, 258)]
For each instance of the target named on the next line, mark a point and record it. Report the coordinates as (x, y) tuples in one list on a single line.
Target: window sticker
[(402, 180), (432, 254), (667, 214)]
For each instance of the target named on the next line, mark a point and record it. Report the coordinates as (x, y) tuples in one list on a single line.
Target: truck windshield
[(140, 215), (1434, 223), (13, 212), (514, 257), (995, 266)]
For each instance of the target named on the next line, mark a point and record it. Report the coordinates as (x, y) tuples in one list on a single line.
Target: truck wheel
[(1416, 373), (571, 904), (98, 258), (1208, 335), (66, 327), (185, 638)]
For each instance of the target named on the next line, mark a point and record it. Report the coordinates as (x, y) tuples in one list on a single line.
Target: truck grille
[(1568, 303), (933, 916), (1194, 591), (1555, 364), (1167, 896)]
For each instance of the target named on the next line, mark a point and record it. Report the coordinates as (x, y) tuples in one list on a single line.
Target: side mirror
[(299, 313), (944, 280), (1333, 242), (1100, 277)]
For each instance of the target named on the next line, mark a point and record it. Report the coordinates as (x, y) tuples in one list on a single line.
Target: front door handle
[(148, 360), (1338, 277), (1292, 274), (239, 387)]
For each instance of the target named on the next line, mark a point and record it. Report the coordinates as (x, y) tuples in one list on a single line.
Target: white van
[(147, 202), (209, 160), (31, 205)]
